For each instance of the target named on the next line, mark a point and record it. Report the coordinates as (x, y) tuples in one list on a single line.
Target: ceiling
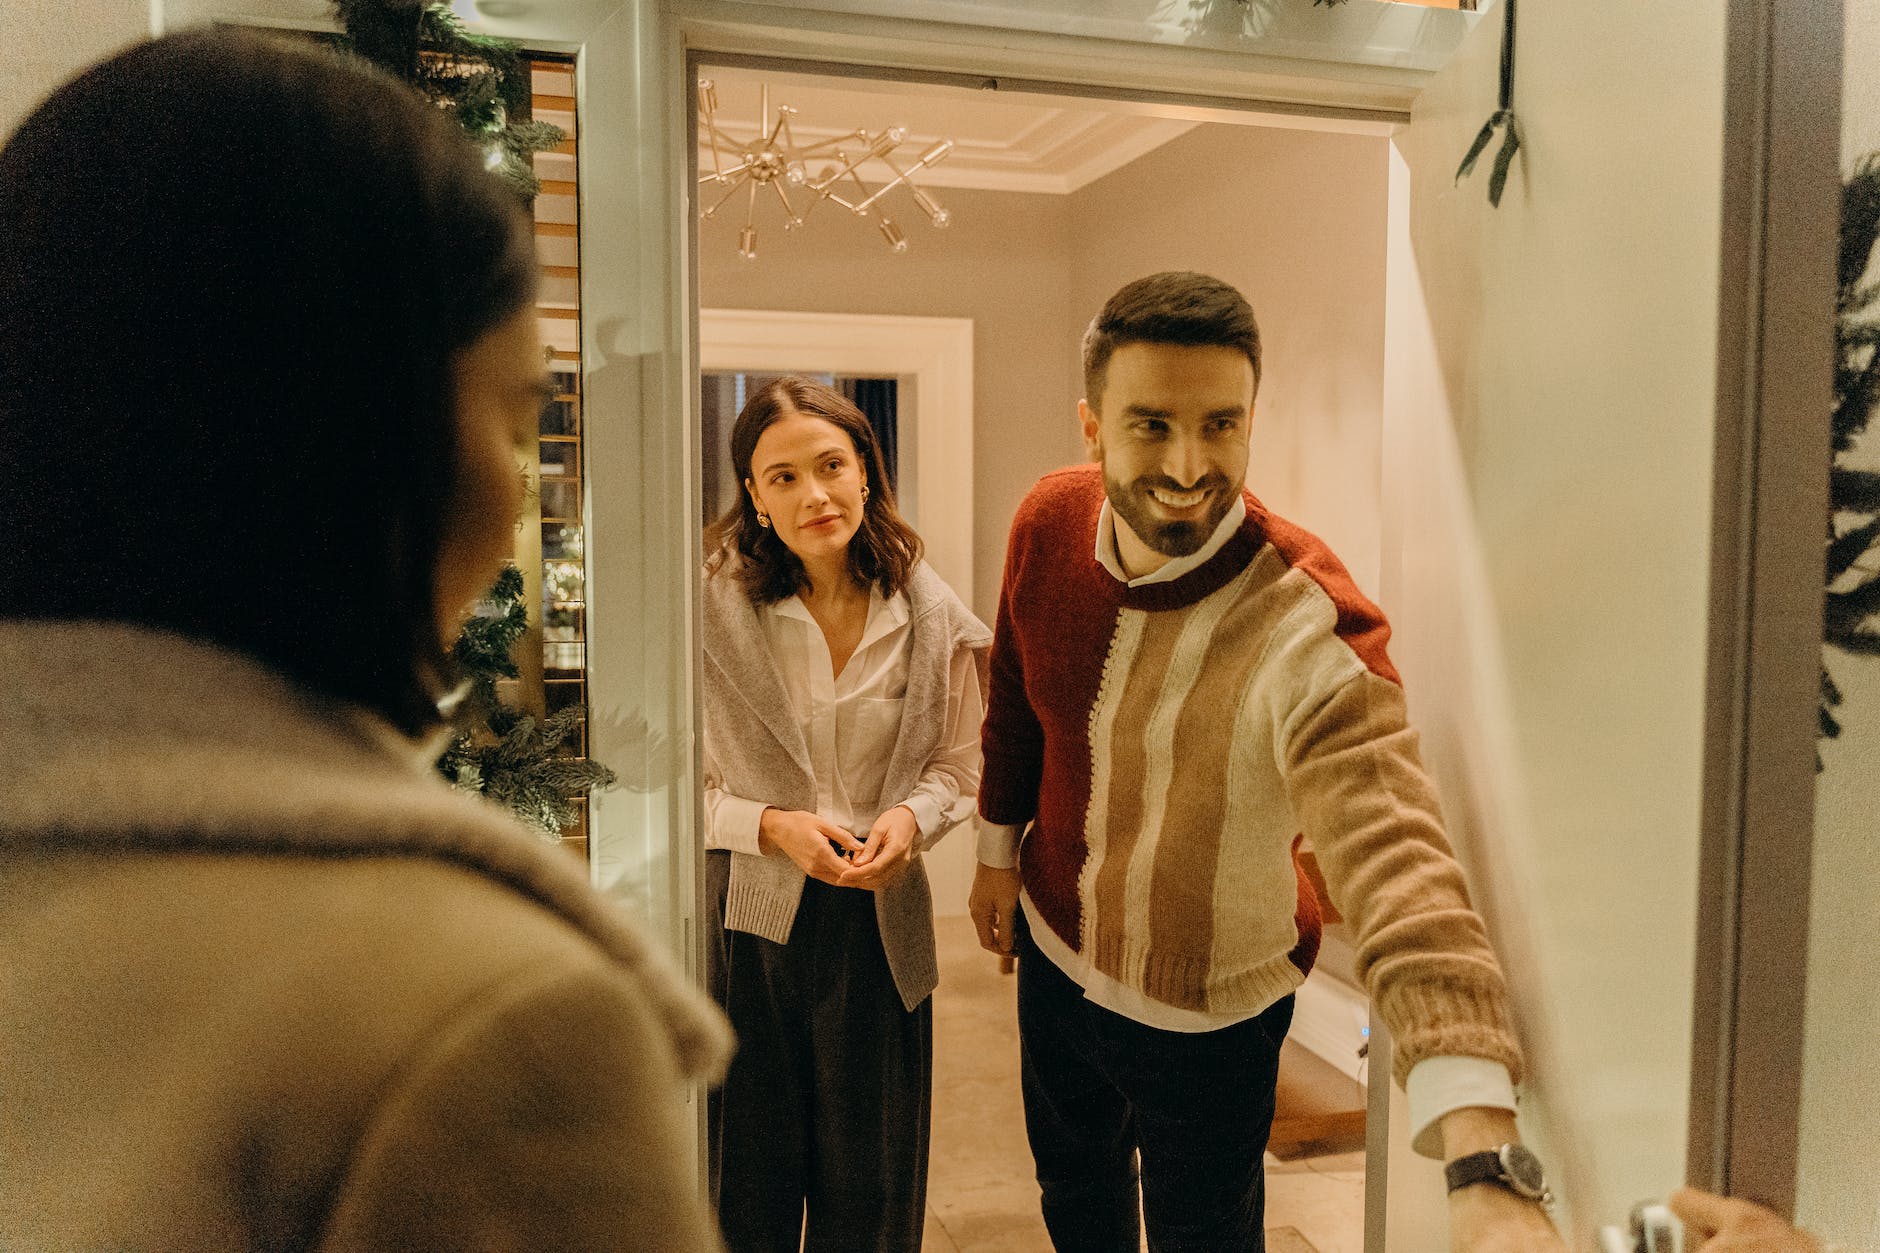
[(1001, 142)]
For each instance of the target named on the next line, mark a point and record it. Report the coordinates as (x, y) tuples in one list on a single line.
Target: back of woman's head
[(234, 275)]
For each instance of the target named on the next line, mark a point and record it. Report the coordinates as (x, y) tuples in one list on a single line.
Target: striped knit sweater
[(1168, 743)]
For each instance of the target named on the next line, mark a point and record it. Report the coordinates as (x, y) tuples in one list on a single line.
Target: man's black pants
[(821, 1125), (1102, 1090)]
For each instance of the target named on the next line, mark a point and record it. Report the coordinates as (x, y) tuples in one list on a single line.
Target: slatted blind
[(562, 607)]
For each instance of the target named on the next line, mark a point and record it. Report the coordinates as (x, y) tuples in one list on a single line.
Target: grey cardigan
[(761, 754)]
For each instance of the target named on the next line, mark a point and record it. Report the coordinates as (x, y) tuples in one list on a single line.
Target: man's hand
[(1718, 1224), (993, 903), (889, 849), (805, 839), (1485, 1217)]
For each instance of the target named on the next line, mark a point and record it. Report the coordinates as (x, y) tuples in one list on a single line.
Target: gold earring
[(864, 491), (763, 519)]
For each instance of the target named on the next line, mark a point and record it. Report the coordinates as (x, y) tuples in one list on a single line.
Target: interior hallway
[(981, 1197)]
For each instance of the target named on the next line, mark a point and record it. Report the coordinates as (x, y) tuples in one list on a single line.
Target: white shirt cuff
[(963, 809), (929, 820), (734, 824), (998, 844), (1442, 1085)]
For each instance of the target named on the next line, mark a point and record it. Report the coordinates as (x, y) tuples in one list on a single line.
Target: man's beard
[(1170, 538)]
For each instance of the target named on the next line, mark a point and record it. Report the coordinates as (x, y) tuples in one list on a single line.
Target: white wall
[(48, 41), (1840, 1144), (1860, 95), (1549, 413)]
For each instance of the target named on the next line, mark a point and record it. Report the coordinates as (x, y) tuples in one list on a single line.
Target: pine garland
[(1852, 607), (480, 79), (501, 752), (482, 82)]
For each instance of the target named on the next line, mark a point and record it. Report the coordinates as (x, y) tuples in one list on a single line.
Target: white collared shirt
[(1110, 557), (850, 722), (1435, 1086)]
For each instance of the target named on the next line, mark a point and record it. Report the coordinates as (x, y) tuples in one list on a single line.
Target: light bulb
[(942, 218), (794, 174)]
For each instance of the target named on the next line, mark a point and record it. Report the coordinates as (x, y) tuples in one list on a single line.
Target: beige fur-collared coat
[(266, 983)]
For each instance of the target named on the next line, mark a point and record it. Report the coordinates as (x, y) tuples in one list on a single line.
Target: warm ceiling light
[(774, 160)]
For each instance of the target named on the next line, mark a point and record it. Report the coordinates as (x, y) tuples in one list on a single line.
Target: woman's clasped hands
[(833, 855)]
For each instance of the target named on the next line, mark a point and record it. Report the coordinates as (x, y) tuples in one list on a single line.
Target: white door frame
[(933, 357)]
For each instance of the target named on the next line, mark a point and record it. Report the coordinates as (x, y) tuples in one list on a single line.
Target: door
[(1601, 390)]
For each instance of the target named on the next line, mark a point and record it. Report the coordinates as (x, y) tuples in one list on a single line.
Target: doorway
[(1049, 202)]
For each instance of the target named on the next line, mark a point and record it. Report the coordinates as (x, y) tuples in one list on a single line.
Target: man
[(1182, 683)]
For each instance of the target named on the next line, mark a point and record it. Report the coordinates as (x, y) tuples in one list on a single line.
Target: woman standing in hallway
[(842, 709)]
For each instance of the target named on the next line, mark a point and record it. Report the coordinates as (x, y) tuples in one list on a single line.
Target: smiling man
[(1184, 684)]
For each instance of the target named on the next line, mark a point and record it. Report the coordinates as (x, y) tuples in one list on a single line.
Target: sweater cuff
[(1443, 1085), (1455, 1016), (998, 844)]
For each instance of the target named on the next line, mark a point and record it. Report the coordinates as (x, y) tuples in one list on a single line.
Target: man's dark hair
[(1173, 307), (234, 278), (885, 548)]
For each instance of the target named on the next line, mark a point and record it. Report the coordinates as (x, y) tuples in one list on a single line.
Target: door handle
[(1651, 1229)]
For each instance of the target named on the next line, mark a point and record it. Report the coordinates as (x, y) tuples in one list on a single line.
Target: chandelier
[(776, 161)]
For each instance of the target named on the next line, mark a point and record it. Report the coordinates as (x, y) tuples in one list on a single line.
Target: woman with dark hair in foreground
[(266, 351), (842, 707)]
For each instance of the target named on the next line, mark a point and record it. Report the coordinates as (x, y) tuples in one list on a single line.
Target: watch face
[(1523, 1170)]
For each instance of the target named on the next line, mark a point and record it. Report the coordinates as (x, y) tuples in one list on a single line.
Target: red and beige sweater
[(1168, 742)]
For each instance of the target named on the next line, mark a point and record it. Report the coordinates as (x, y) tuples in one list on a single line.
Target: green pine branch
[(485, 648), (1850, 609), (499, 751), (481, 80), (1849, 547)]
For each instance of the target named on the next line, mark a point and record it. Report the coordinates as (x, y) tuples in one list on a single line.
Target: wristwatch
[(1509, 1166)]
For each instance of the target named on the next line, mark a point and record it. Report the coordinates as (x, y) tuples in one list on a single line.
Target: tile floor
[(981, 1197)]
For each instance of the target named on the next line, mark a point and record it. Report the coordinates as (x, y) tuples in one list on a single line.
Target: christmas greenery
[(507, 755), (501, 752), (480, 79), (1852, 608)]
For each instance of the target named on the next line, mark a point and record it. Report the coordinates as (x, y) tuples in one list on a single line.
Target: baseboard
[(1333, 1020)]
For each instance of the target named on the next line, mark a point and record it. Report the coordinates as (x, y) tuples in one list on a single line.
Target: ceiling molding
[(999, 144)]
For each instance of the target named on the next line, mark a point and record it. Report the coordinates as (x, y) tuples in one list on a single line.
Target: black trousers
[(1103, 1092), (820, 1130)]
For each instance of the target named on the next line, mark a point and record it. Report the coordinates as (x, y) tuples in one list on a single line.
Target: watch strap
[(1471, 1168)]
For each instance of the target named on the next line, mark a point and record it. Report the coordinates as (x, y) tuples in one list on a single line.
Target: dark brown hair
[(1173, 307), (240, 272), (884, 549)]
